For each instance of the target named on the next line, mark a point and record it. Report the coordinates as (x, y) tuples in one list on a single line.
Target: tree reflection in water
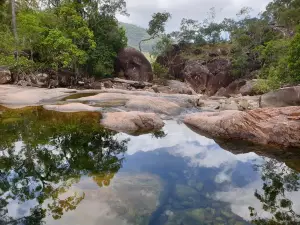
[(43, 153), (278, 181)]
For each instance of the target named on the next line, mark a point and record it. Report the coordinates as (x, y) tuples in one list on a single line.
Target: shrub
[(160, 71)]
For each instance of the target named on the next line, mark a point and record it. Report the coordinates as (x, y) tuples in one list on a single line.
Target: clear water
[(65, 169)]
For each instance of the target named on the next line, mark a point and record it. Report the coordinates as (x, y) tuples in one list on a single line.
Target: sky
[(141, 10)]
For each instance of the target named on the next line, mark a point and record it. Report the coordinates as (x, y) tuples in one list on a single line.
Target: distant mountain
[(135, 34)]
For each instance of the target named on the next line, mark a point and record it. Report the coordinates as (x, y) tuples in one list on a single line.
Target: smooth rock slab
[(72, 107), (269, 126), (132, 122), (289, 96)]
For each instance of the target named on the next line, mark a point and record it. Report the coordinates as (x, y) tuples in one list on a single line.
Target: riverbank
[(143, 111)]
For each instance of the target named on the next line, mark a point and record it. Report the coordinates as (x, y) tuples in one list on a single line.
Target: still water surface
[(65, 169)]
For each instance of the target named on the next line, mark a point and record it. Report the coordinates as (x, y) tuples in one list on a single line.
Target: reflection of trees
[(159, 134), (278, 180), (56, 150)]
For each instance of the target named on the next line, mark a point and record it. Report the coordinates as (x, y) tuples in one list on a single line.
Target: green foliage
[(158, 23), (160, 71), (163, 46), (109, 38), (293, 58), (80, 36), (156, 26)]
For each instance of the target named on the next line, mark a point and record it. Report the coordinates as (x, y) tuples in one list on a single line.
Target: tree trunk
[(14, 26)]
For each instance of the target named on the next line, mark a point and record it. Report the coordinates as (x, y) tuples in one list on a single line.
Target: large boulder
[(269, 126), (179, 87), (134, 65), (197, 75), (289, 96), (173, 60), (132, 122), (239, 86), (5, 76), (208, 77)]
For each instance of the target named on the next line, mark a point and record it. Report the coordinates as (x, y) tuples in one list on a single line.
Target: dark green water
[(63, 168)]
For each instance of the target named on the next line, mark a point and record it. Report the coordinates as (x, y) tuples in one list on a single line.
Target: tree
[(189, 30), (14, 26), (156, 26)]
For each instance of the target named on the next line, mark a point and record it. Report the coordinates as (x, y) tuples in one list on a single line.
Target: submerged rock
[(270, 126), (132, 122)]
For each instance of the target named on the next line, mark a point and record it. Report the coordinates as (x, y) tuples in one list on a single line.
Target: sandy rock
[(270, 126), (289, 96), (5, 76), (132, 122)]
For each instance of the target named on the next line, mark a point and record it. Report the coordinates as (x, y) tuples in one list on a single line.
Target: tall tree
[(156, 26)]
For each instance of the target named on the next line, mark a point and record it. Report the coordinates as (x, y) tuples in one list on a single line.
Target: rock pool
[(64, 168)]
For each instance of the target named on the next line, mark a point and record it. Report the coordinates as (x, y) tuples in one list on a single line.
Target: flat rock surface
[(71, 107), (132, 122), (269, 126), (167, 104), (15, 96)]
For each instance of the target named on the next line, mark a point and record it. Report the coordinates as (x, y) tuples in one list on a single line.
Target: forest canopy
[(85, 37)]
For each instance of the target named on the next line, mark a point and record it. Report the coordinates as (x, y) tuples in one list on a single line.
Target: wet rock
[(132, 122), (289, 96), (134, 65), (5, 76), (269, 126)]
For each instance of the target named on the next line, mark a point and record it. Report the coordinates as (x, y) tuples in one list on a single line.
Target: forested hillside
[(135, 34), (266, 47), (83, 37)]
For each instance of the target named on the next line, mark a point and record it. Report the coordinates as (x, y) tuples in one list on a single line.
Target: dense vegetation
[(82, 36), (265, 47)]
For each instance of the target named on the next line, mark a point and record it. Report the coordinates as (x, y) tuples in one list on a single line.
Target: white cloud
[(141, 11)]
